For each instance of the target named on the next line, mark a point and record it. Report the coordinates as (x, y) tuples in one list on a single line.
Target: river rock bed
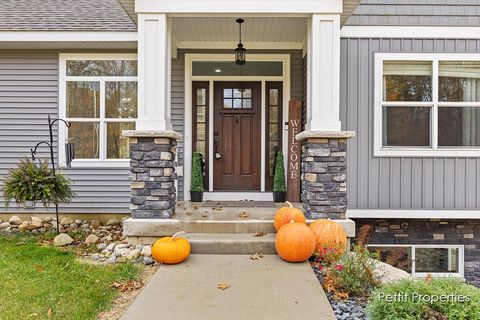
[(348, 309), (100, 243)]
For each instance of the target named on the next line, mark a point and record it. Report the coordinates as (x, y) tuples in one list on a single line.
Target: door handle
[(215, 143)]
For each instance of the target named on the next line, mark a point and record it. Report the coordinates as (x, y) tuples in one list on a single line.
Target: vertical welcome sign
[(294, 151)]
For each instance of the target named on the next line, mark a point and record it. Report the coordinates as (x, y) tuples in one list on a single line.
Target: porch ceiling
[(255, 29), (348, 8)]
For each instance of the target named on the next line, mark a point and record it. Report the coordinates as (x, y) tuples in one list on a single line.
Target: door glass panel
[(247, 103), (227, 103), (200, 113), (273, 97), (237, 93), (227, 93), (247, 93), (201, 96), (237, 103)]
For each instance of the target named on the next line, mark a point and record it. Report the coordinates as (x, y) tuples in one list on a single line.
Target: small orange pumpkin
[(329, 235), (295, 242), (285, 214), (171, 250)]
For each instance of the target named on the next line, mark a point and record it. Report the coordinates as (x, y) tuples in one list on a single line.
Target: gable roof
[(64, 15), (416, 12)]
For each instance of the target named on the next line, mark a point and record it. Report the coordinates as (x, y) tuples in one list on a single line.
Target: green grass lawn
[(35, 279)]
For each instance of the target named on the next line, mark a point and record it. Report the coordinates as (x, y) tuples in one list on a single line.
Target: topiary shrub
[(279, 177), (410, 306), (197, 174), (28, 182)]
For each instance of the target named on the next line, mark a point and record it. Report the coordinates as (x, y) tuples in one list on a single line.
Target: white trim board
[(285, 7), (68, 36), (238, 196), (410, 32), (232, 44), (412, 214)]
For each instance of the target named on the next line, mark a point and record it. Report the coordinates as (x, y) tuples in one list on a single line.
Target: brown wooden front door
[(236, 136)]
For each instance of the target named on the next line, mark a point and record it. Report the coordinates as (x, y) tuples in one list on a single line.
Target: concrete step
[(167, 227), (221, 243)]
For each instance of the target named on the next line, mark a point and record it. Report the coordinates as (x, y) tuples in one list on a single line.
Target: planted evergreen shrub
[(279, 178), (197, 175), (412, 307), (27, 182)]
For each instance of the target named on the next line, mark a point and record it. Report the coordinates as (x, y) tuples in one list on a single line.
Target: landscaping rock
[(133, 255), (66, 221), (111, 246), (101, 246), (121, 252), (62, 239), (148, 261), (24, 226), (111, 260), (14, 220), (139, 247), (4, 225), (387, 273), (91, 239), (47, 219), (95, 224), (113, 222), (37, 222), (78, 221), (146, 251)]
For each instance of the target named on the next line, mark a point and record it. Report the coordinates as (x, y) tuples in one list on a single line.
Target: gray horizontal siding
[(178, 110), (398, 183), (417, 12), (28, 94)]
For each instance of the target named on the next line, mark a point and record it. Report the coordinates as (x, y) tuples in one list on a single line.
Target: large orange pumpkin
[(285, 214), (295, 242), (171, 250), (329, 235)]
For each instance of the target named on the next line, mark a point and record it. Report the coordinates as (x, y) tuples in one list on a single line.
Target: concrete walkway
[(266, 289)]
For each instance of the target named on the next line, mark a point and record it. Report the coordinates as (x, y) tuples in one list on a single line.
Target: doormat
[(239, 204)]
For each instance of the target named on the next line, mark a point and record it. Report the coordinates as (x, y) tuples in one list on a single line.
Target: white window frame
[(62, 130), (433, 150), (461, 258)]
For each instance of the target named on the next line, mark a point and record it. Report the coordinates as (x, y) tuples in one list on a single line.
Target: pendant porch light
[(240, 51)]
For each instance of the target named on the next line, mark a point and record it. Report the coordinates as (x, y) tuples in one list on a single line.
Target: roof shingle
[(64, 15)]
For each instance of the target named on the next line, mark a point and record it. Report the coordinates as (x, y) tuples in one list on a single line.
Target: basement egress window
[(99, 99), (427, 104), (420, 260)]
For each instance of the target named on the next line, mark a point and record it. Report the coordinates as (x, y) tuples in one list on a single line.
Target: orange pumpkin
[(285, 214), (295, 242), (329, 235), (171, 250)]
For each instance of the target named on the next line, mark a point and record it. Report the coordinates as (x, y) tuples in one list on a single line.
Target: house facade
[(388, 110)]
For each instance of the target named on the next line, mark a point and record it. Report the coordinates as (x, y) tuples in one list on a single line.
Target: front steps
[(215, 229)]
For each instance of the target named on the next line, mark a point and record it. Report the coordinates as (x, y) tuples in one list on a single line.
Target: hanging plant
[(28, 182)]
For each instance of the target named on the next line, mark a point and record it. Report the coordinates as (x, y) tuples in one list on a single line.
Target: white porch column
[(154, 55), (323, 74)]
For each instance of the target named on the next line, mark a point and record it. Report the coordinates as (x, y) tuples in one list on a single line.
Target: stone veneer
[(431, 231), (324, 174), (152, 174)]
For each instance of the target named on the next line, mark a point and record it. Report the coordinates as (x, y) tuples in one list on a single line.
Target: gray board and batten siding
[(398, 182), (29, 93), (416, 12)]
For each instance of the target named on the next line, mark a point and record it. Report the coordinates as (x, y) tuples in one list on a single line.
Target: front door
[(236, 136)]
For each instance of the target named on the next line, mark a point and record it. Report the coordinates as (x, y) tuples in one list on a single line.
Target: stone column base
[(152, 173), (324, 173)]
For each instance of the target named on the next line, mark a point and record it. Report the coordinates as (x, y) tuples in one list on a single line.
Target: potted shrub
[(196, 190), (279, 189), (28, 183)]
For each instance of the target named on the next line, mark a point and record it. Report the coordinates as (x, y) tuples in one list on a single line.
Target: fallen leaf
[(428, 278), (340, 295), (49, 313), (38, 268), (20, 243), (223, 286), (130, 285), (256, 256), (195, 207), (188, 213), (260, 234), (243, 215), (204, 215)]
